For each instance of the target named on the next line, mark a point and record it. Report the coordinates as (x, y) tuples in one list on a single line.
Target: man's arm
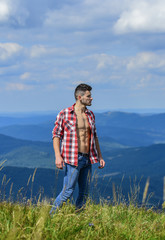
[(57, 133), (58, 159), (102, 162)]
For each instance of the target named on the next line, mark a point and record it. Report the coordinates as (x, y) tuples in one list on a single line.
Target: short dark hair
[(81, 89)]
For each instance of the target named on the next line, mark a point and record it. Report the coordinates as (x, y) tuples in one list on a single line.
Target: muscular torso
[(83, 132)]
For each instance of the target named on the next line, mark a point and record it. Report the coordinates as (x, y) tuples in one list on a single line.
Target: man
[(75, 127)]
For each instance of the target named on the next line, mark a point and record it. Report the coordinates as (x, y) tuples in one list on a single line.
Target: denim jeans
[(81, 175)]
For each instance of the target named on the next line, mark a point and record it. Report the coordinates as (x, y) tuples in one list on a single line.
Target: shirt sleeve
[(58, 126), (95, 132)]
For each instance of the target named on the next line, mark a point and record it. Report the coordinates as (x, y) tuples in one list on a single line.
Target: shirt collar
[(71, 109)]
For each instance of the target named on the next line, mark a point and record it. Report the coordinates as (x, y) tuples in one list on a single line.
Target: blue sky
[(47, 47)]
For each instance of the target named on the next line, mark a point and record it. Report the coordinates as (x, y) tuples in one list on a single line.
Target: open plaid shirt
[(65, 129)]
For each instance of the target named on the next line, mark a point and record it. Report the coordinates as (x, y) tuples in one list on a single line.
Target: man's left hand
[(102, 163)]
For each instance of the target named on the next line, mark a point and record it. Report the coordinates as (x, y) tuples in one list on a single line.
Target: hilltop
[(96, 222)]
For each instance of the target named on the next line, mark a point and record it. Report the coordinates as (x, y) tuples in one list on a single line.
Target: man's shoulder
[(66, 110), (90, 112)]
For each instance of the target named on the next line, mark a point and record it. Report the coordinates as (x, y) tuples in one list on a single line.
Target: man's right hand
[(59, 162)]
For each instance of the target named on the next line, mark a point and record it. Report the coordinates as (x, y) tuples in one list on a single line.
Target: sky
[(48, 47)]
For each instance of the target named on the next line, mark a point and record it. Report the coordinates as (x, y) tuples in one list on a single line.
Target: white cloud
[(41, 50), (37, 51), (84, 15), (13, 13), (66, 18), (65, 14), (18, 87), (7, 50), (142, 71), (146, 60), (4, 11), (103, 61), (144, 81), (132, 15), (142, 16), (25, 75)]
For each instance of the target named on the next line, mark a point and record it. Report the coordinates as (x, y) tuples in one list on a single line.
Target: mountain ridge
[(125, 128)]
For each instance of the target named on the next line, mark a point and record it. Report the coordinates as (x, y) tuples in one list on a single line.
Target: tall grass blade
[(29, 180), (34, 174), (32, 183), (11, 187), (1, 167), (114, 193), (145, 191)]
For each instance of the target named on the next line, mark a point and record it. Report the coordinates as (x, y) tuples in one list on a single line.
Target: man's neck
[(79, 107)]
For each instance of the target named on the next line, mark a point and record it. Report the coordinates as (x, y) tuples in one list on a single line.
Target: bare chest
[(82, 122)]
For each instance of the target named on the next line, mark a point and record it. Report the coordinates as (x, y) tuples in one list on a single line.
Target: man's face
[(86, 99)]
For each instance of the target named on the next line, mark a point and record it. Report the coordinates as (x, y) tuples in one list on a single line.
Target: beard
[(86, 102)]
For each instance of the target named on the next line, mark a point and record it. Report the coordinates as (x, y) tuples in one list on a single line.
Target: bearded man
[(79, 149)]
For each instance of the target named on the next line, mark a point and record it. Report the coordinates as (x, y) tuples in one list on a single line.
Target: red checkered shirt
[(65, 129)]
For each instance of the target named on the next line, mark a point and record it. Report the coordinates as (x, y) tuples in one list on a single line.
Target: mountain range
[(127, 129), (132, 146), (148, 160)]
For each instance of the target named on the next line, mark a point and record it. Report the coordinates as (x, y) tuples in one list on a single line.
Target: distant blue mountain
[(132, 146), (38, 132), (132, 129), (129, 162), (26, 120), (127, 129), (24, 153), (138, 161), (148, 160), (154, 122)]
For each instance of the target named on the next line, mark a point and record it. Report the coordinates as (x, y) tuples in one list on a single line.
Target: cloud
[(18, 87), (84, 15), (25, 14), (142, 16), (13, 13), (64, 14), (25, 76), (41, 50), (140, 71), (8, 50), (28, 13), (146, 61), (54, 45), (72, 16), (4, 11)]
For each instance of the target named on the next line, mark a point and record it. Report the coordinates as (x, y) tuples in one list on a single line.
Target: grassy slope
[(96, 222)]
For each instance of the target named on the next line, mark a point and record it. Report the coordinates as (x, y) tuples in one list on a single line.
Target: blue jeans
[(73, 174)]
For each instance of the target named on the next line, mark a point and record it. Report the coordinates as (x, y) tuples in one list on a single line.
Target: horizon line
[(131, 110)]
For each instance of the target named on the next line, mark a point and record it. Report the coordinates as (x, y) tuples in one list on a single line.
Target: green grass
[(24, 220), (100, 221)]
